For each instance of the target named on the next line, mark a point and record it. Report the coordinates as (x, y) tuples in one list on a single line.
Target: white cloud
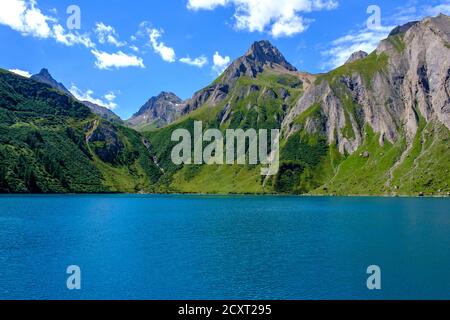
[(70, 39), (116, 60), (134, 48), (22, 73), (166, 53), (199, 62), (220, 63), (25, 17), (279, 18), (435, 10), (205, 4), (107, 34), (368, 40), (110, 96), (288, 27), (88, 95), (364, 40)]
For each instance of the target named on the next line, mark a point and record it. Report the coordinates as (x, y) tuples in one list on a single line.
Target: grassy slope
[(260, 109), (43, 145), (308, 164)]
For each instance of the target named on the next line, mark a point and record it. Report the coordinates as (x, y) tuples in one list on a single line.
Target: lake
[(223, 247)]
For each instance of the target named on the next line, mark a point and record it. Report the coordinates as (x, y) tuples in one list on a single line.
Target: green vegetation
[(44, 149), (259, 103), (367, 170), (367, 68), (49, 143), (426, 167), (397, 42)]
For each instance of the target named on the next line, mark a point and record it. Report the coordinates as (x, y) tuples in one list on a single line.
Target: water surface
[(219, 247)]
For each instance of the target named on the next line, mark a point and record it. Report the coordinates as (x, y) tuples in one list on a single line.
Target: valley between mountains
[(378, 125)]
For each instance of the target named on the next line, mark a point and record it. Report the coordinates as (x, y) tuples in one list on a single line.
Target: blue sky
[(127, 51)]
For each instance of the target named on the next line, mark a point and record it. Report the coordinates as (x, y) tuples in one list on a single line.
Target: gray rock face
[(158, 111), (45, 77), (112, 146), (103, 112), (403, 28), (415, 82), (357, 56), (261, 54)]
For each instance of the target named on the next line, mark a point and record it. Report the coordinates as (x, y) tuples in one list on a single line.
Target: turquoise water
[(195, 247)]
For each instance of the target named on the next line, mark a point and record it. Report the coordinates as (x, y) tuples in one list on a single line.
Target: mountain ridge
[(378, 115), (45, 77), (377, 125), (157, 112)]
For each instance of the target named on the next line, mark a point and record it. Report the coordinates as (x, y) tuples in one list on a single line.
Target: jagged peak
[(263, 52), (45, 77), (167, 95), (261, 55), (403, 28), (164, 98), (358, 55), (44, 72)]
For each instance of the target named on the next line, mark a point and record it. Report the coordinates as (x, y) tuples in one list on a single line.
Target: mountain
[(357, 56), (103, 112), (256, 91), (52, 143), (45, 77), (262, 65), (157, 112), (377, 125), (385, 118)]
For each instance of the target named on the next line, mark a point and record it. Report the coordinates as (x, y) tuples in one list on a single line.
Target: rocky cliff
[(157, 112)]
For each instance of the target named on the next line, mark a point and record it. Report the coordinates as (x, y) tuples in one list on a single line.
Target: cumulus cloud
[(25, 17), (364, 40), (279, 18), (88, 95), (22, 73), (220, 63), (107, 34), (116, 60), (437, 9), (165, 52), (70, 39), (198, 62), (368, 39)]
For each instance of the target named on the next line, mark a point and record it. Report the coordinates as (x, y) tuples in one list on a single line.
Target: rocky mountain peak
[(358, 55), (263, 52), (261, 55), (158, 111), (45, 73), (169, 96), (45, 77), (403, 28)]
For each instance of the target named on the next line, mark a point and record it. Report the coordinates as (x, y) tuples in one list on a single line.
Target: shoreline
[(224, 195)]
